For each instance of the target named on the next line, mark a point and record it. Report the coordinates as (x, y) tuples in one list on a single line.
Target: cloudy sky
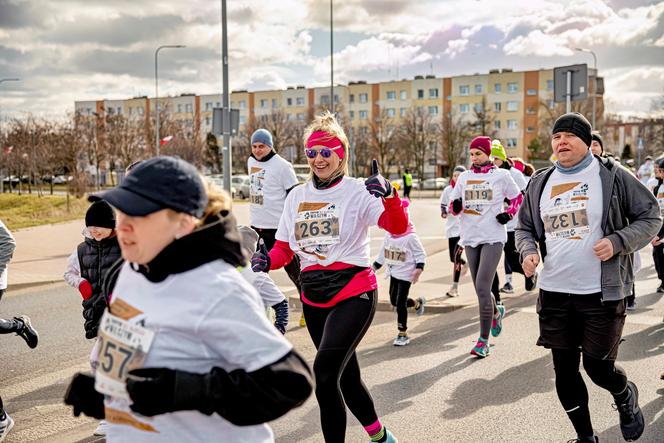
[(69, 50)]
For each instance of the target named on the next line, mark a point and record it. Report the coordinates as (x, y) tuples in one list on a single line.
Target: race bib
[(567, 221), (256, 199), (316, 224), (256, 180), (122, 347), (395, 256)]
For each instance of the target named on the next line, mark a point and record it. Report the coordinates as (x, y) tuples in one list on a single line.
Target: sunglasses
[(324, 152)]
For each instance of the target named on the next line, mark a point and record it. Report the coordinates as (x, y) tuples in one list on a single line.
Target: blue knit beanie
[(262, 136)]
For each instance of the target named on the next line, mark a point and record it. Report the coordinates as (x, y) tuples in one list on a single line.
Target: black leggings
[(455, 256), (399, 290), (572, 390), (292, 268), (658, 258), (336, 332)]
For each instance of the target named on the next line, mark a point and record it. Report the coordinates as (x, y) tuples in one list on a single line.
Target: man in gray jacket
[(586, 217)]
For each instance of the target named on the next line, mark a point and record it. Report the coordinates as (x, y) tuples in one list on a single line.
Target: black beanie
[(598, 139), (576, 124), (100, 214)]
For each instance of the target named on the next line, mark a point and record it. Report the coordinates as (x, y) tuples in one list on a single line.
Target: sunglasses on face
[(324, 152)]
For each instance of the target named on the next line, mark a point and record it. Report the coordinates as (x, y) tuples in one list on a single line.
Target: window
[(478, 107), (497, 106), (478, 89), (391, 95), (218, 104), (497, 88), (464, 90), (180, 107), (130, 110), (243, 104), (464, 108), (351, 98), (530, 110), (403, 95), (274, 102), (289, 117), (552, 104), (351, 114), (363, 115), (420, 93), (512, 106), (391, 112), (243, 119), (119, 110), (549, 85), (189, 108), (300, 117), (531, 92), (512, 87), (511, 143), (433, 110), (511, 124), (496, 124), (336, 98), (433, 93), (530, 129), (325, 99), (207, 121), (402, 112), (299, 101), (364, 98), (289, 101), (208, 106), (263, 103), (364, 130), (140, 111)]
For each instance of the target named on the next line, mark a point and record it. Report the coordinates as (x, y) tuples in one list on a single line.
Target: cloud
[(538, 43)]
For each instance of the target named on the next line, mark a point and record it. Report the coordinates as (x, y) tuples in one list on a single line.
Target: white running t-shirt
[(483, 195), (452, 228), (401, 254), (269, 182), (571, 210), (324, 226)]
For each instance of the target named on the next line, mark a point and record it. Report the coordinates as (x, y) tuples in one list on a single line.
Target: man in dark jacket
[(586, 216)]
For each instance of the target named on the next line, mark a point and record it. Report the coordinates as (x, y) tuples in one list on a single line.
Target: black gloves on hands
[(377, 185), (156, 391), (93, 309), (457, 206), (503, 218), (260, 261), (81, 394)]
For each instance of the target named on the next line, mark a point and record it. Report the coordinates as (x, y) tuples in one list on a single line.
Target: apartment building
[(513, 104)]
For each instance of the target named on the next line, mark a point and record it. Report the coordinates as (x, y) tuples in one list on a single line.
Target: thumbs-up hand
[(377, 185), (260, 261)]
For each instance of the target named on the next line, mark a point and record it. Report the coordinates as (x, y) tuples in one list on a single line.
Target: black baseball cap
[(159, 183)]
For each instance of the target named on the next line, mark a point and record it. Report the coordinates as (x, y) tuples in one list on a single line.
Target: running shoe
[(632, 423), (593, 439), (27, 332), (390, 437), (303, 322), (631, 305), (507, 288), (401, 340), (481, 348), (6, 425), (101, 429), (497, 323), (453, 292), (420, 307), (660, 289), (531, 282)]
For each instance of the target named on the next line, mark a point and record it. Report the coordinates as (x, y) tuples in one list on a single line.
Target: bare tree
[(280, 127), (418, 133), (454, 136), (383, 136), (484, 119)]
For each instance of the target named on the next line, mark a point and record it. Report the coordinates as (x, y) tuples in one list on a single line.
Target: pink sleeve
[(280, 255), (514, 205)]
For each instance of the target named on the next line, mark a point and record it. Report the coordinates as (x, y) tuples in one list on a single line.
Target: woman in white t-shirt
[(478, 197), (452, 232), (326, 223), (186, 351)]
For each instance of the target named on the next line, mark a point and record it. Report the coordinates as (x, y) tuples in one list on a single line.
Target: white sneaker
[(453, 292), (401, 340), (420, 309), (6, 425), (101, 429)]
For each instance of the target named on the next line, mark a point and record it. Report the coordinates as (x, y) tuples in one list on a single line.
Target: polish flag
[(8, 150), (165, 140)]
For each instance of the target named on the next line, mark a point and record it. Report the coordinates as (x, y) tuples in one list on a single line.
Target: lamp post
[(156, 90), (2, 177), (595, 85)]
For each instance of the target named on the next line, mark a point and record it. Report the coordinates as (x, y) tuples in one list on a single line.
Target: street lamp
[(156, 89), (595, 85), (2, 186)]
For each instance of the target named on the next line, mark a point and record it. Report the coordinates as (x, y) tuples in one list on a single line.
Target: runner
[(478, 196), (271, 179), (87, 268), (511, 260), (586, 216), (186, 353), (326, 222), (597, 145), (646, 170), (20, 325), (407, 183), (405, 259), (452, 233), (658, 241)]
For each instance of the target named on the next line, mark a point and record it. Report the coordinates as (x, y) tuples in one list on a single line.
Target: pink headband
[(322, 138)]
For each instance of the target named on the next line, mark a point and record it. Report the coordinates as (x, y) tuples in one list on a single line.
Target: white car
[(434, 183)]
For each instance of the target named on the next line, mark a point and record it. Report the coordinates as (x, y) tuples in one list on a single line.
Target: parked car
[(241, 183), (434, 183), (218, 181)]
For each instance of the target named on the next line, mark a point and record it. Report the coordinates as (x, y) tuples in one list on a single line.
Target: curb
[(19, 286)]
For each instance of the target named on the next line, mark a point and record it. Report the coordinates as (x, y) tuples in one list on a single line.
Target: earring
[(178, 236)]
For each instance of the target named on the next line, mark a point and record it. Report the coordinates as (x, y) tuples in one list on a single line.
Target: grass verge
[(23, 211)]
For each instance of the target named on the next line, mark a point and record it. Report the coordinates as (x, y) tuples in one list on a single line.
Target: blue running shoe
[(497, 324), (390, 437), (481, 348)]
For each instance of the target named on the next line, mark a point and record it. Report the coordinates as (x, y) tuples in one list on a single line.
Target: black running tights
[(336, 332)]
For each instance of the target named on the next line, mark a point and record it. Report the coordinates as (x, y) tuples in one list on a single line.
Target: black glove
[(503, 218), (457, 206), (260, 261), (377, 185), (156, 391), (81, 394), (93, 309)]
